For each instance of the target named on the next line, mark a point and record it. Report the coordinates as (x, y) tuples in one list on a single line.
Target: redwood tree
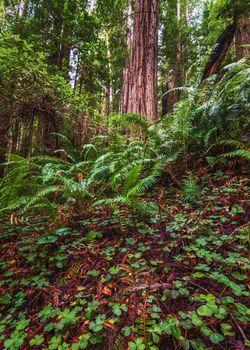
[(242, 36), (140, 85)]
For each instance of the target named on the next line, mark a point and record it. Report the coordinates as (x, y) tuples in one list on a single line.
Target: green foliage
[(216, 112), (241, 150), (123, 167), (191, 190)]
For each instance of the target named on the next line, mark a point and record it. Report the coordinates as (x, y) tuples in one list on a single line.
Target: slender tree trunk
[(6, 110), (242, 37), (164, 105), (180, 67), (184, 44), (22, 9), (142, 66), (173, 94), (27, 138), (108, 87), (15, 135), (63, 41), (126, 70), (4, 128)]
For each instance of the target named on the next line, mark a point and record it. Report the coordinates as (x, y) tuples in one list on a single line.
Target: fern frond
[(142, 208), (232, 143), (242, 153), (40, 196), (132, 177), (142, 186)]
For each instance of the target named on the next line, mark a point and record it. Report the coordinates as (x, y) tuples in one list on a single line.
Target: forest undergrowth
[(123, 227), (176, 279)]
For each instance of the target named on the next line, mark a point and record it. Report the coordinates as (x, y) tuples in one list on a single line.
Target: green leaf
[(242, 309), (196, 319), (132, 346), (247, 343), (37, 340), (204, 310), (126, 331), (221, 313), (216, 338), (114, 270), (55, 341), (49, 327), (63, 231), (5, 299), (155, 338), (137, 344), (46, 239), (176, 332), (226, 326), (206, 330), (94, 273)]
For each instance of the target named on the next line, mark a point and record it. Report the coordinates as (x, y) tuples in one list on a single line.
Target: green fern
[(115, 170), (241, 150), (191, 190)]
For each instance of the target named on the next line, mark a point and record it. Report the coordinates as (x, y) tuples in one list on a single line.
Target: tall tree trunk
[(142, 66), (180, 66), (15, 134), (164, 104), (242, 36), (173, 94), (63, 40), (4, 128), (108, 89), (126, 70), (27, 137)]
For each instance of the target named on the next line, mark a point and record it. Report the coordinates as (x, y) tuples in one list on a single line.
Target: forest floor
[(178, 280)]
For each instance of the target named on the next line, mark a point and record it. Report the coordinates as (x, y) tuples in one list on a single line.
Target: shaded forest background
[(64, 64)]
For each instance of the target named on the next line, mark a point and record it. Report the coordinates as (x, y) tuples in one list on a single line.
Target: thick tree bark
[(140, 85), (223, 44), (242, 37)]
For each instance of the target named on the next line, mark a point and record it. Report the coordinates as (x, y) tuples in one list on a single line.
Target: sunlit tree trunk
[(242, 37), (140, 87), (22, 9)]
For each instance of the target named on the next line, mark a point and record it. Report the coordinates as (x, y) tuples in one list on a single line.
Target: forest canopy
[(124, 174)]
